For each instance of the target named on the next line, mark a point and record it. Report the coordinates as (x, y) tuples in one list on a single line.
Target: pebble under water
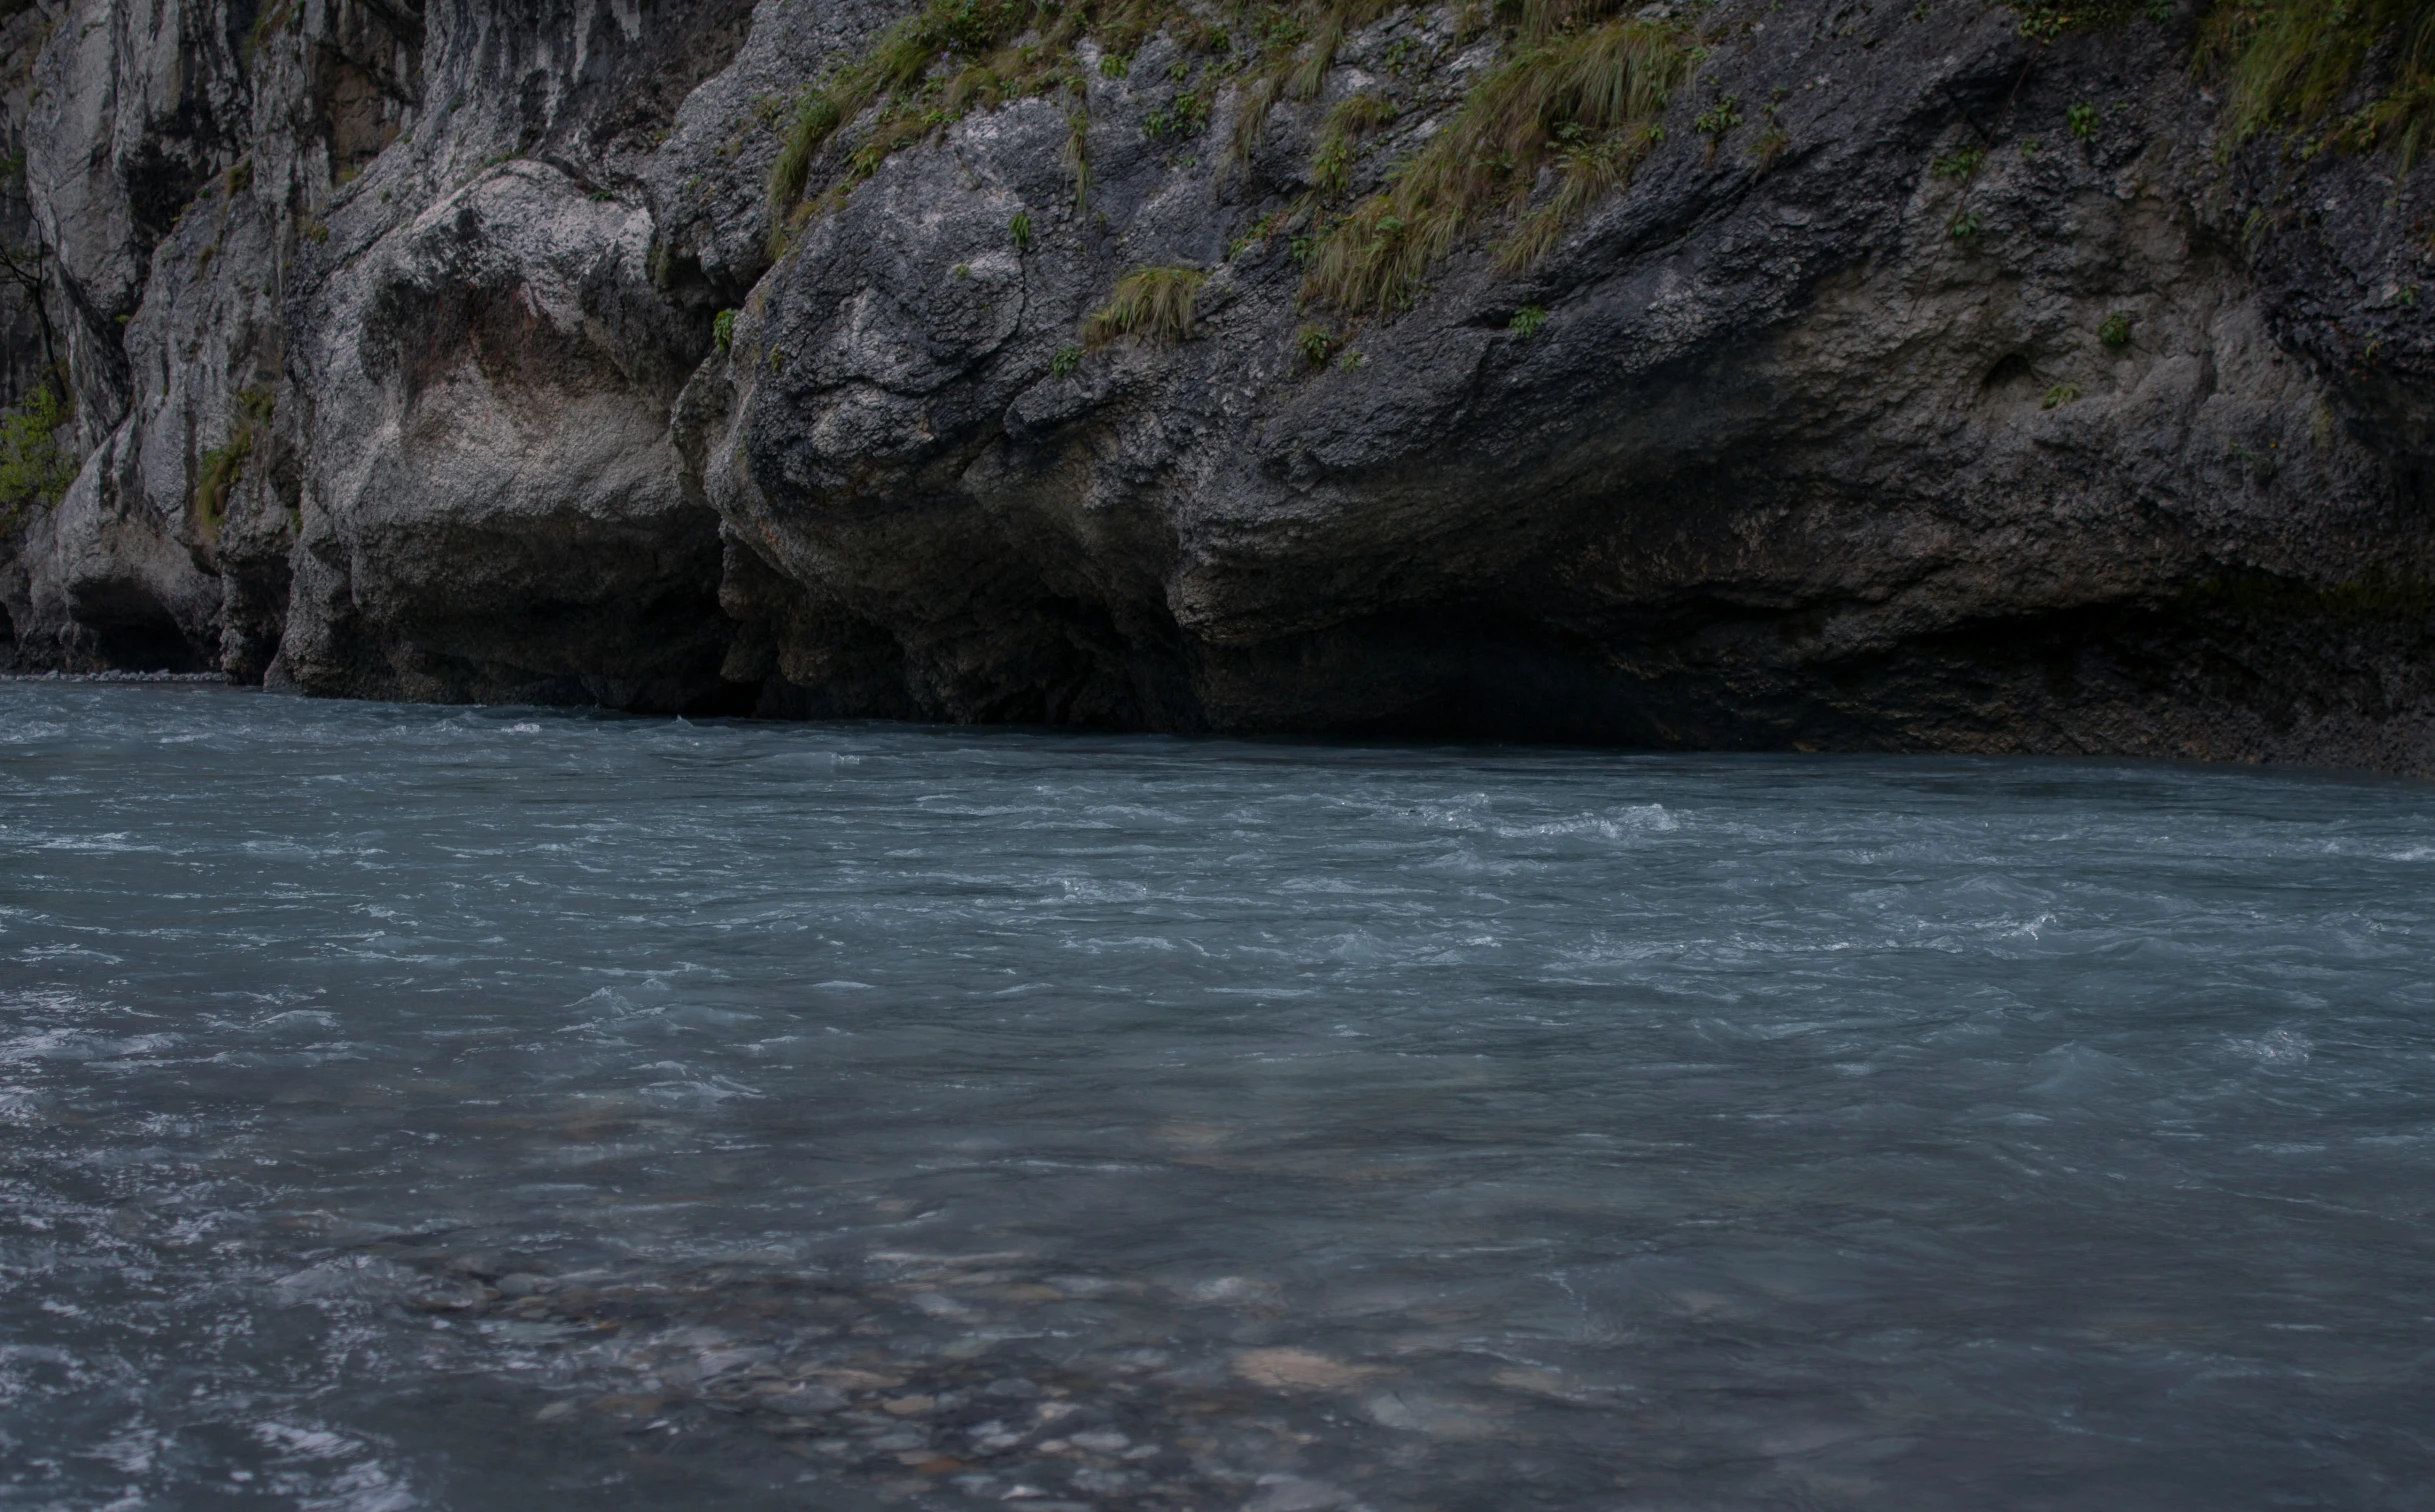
[(468, 1109)]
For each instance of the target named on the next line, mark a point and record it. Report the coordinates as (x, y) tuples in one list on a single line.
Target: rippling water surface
[(408, 1107)]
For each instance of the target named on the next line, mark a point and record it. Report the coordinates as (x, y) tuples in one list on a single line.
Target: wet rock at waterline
[(1916, 383)]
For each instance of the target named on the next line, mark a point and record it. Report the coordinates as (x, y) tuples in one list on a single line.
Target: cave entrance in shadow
[(132, 631)]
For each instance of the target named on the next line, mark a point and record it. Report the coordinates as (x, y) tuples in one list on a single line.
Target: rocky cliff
[(1814, 373)]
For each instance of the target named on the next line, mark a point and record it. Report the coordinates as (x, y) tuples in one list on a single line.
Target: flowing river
[(405, 1107)]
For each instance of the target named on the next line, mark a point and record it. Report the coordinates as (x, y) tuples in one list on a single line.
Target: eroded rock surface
[(1926, 387)]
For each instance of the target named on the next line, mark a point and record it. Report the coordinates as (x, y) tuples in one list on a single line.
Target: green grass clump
[(215, 478), (2296, 64), (1186, 117), (2115, 330), (1315, 343), (898, 66), (956, 56), (1527, 321), (723, 329), (218, 469), (1352, 118), (1586, 100), (1153, 303), (34, 468), (1960, 164), (1292, 50)]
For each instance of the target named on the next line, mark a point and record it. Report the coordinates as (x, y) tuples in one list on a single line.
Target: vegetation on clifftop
[(1579, 89)]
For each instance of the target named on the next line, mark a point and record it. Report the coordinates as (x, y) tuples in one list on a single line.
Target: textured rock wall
[(393, 337)]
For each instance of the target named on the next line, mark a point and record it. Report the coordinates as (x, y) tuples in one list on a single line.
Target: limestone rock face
[(1924, 388)]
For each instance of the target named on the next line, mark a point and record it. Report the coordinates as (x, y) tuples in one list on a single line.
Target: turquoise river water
[(511, 1109)]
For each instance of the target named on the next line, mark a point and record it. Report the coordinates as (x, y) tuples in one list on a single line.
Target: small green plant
[(1316, 344), (2263, 466), (2082, 120), (1527, 321), (1077, 156), (1153, 303), (1959, 164), (1114, 66), (2060, 395), (314, 231), (1352, 119), (1770, 146), (1720, 117), (723, 329), (2115, 330), (1019, 227), (1352, 362), (1067, 359), (1259, 235), (1964, 228), (963, 270), (2407, 295), (2030, 148), (1186, 116)]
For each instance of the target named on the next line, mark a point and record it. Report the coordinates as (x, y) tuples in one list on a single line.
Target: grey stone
[(1787, 465)]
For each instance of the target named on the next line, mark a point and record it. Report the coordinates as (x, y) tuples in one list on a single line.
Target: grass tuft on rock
[(2298, 65), (956, 56), (219, 468), (1352, 118), (1588, 101), (1153, 303), (897, 69)]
